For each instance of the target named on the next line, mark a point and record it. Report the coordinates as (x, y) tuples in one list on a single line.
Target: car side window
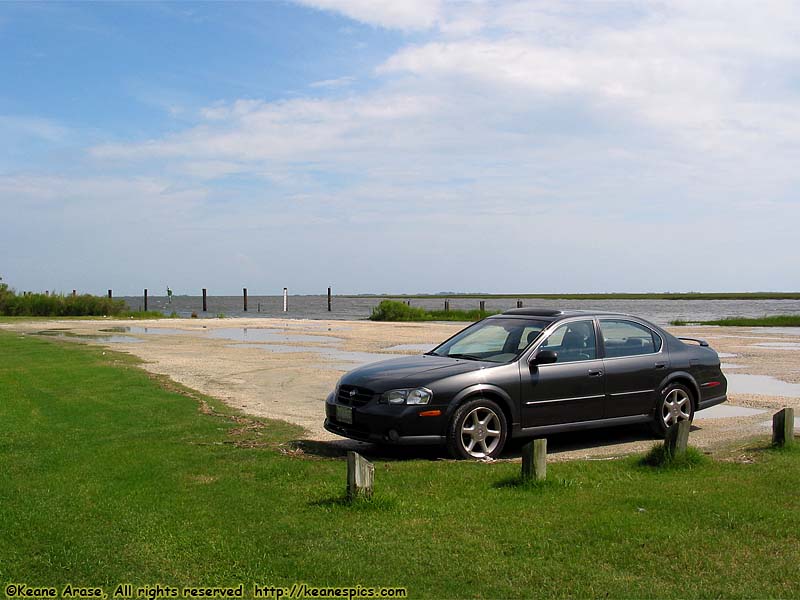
[(528, 335), (626, 338), (573, 342)]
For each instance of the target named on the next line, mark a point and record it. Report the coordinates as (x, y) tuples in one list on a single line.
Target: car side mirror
[(544, 357)]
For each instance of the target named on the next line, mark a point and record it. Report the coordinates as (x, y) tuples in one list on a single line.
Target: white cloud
[(25, 126), (393, 14)]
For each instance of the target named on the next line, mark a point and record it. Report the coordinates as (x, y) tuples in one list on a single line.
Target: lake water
[(660, 312)]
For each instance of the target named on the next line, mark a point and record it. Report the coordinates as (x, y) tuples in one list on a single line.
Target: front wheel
[(675, 404), (478, 429)]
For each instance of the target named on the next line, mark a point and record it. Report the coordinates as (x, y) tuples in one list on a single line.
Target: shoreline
[(284, 368)]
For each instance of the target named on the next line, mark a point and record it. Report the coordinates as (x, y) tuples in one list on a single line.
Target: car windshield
[(497, 340)]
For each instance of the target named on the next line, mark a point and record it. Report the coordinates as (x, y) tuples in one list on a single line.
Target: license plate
[(344, 414)]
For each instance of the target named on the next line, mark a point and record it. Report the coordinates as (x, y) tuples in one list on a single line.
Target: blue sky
[(377, 146)]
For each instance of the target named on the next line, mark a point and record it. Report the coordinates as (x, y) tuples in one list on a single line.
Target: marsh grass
[(392, 310)]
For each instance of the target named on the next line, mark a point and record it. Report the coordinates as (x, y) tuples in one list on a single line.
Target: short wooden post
[(677, 438), (783, 427), (447, 306), (329, 299), (110, 295), (360, 476), (205, 300), (534, 460), (145, 299), (483, 305), (244, 297), (285, 299), (519, 303)]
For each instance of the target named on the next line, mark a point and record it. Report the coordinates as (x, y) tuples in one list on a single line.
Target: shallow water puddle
[(250, 334), (730, 366), (345, 360), (105, 339), (413, 347), (780, 345), (764, 385), (726, 411), (726, 355)]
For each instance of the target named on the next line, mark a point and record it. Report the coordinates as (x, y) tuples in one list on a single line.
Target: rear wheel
[(675, 404), (478, 429)]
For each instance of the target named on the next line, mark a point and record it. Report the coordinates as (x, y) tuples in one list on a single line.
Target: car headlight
[(411, 396)]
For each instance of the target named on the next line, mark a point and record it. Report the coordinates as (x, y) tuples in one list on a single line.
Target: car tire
[(675, 403), (477, 430)]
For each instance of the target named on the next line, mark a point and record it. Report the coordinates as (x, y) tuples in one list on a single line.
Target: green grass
[(765, 321), (603, 296), (63, 305), (391, 310), (110, 475)]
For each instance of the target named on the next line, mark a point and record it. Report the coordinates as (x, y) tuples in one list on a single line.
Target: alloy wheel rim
[(480, 432), (677, 406)]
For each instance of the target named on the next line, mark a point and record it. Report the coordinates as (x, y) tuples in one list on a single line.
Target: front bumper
[(388, 424)]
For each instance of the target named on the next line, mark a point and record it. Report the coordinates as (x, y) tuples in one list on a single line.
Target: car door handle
[(661, 365), (595, 373)]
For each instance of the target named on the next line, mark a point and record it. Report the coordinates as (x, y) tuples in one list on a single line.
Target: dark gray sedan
[(529, 372)]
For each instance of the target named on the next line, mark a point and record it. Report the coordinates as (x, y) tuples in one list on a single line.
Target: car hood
[(409, 372)]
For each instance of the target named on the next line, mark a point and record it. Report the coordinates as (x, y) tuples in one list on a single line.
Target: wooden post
[(408, 302), (783, 427), (110, 295), (534, 460), (447, 306), (483, 305), (145, 299), (360, 476), (285, 299), (519, 303), (74, 293), (244, 294), (678, 438), (329, 299), (205, 300)]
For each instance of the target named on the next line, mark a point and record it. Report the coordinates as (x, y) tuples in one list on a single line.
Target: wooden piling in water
[(329, 299), (534, 460), (145, 299), (74, 293), (783, 427), (205, 300), (244, 297), (360, 476), (483, 305), (447, 306), (110, 295), (285, 299)]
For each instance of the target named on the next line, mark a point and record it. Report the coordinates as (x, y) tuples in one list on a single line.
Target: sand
[(292, 386)]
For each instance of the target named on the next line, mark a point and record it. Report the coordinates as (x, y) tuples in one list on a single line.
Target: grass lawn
[(108, 476)]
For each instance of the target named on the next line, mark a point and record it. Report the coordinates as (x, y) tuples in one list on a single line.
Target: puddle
[(726, 355), (796, 424), (727, 411), (343, 360), (780, 330), (730, 366), (154, 330), (780, 345), (761, 384), (105, 339), (413, 347), (250, 334)]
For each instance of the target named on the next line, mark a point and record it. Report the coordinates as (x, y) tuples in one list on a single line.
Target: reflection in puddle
[(151, 330), (761, 384), (780, 345), (781, 330), (730, 366), (725, 411), (726, 355), (250, 334), (413, 347), (343, 360), (105, 339)]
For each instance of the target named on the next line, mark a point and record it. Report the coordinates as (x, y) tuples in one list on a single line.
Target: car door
[(634, 364), (572, 388)]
